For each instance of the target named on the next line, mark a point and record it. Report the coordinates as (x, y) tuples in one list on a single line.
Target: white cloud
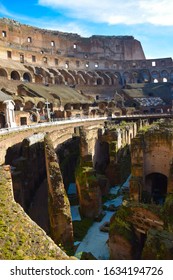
[(157, 12), (46, 23), (70, 27)]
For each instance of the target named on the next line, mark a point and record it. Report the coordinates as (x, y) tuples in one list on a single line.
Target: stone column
[(9, 113)]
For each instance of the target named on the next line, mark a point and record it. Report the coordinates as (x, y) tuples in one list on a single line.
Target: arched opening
[(145, 76), (155, 76), (165, 80), (40, 106), (156, 184), (27, 77), (2, 120), (101, 157), (165, 76), (3, 73), (28, 106), (18, 105), (99, 81), (126, 77), (15, 75)]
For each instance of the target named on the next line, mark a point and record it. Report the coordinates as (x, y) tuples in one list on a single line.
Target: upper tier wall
[(67, 44)]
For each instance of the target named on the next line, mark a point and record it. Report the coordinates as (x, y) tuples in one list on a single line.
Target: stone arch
[(164, 75), (3, 73), (106, 78), (68, 77), (58, 77), (113, 77), (88, 76), (80, 79), (41, 106), (126, 77), (74, 75), (145, 76), (27, 77), (28, 105), (111, 105), (84, 77), (155, 76), (135, 77), (171, 76), (38, 78), (18, 105), (67, 106), (156, 184), (119, 79), (100, 81), (15, 75)]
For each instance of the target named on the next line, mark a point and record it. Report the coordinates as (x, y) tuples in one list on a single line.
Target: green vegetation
[(20, 237), (168, 212), (122, 228), (80, 228), (158, 246)]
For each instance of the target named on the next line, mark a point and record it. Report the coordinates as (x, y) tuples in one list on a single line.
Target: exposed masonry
[(56, 57)]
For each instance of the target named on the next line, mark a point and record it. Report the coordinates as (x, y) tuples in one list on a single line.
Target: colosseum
[(86, 140), (54, 75)]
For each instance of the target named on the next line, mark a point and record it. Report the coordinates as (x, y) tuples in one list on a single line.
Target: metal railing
[(47, 124), (61, 121)]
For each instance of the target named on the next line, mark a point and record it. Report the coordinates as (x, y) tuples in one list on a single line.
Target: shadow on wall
[(156, 185)]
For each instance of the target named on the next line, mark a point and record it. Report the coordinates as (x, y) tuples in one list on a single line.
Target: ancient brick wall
[(20, 237)]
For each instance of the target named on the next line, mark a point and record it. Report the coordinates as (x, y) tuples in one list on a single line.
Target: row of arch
[(16, 75), (146, 76), (74, 77)]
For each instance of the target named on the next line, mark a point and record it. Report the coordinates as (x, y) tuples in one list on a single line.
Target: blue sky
[(149, 21)]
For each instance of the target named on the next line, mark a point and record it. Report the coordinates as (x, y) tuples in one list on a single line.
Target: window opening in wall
[(33, 58), (153, 63), (23, 121), (45, 59), (9, 54), (52, 43), (29, 40), (87, 64), (165, 80), (74, 46), (155, 81), (86, 56), (21, 58), (96, 65), (77, 63), (41, 51), (56, 61), (4, 34)]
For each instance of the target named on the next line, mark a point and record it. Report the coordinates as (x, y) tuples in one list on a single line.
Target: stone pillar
[(136, 181), (58, 203), (9, 113), (119, 139)]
